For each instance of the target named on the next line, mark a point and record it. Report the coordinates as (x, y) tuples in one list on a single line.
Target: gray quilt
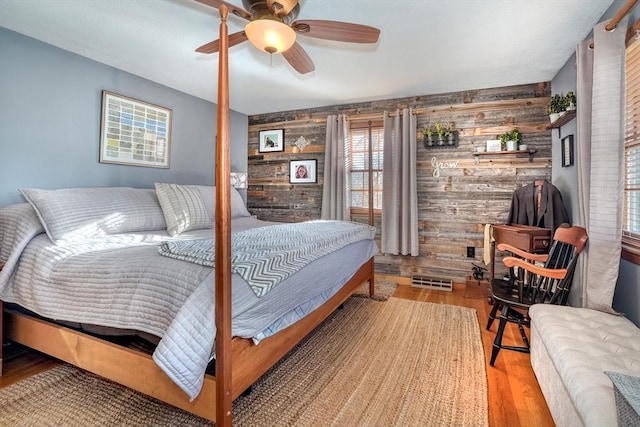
[(122, 281), (266, 256)]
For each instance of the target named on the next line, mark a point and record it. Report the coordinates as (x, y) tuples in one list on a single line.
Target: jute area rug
[(384, 289), (398, 362)]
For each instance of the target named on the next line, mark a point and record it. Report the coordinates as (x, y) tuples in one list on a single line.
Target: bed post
[(224, 399)]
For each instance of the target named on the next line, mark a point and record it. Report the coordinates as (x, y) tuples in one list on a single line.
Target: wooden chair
[(530, 284)]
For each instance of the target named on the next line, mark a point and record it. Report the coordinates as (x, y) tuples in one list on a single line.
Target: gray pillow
[(208, 193), (184, 207), (73, 214), (238, 209)]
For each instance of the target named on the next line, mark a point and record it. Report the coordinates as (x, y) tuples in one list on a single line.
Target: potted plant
[(427, 132), (510, 140), (557, 104), (570, 100), (450, 133), (441, 128)]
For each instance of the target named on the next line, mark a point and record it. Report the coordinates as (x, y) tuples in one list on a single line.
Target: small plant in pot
[(442, 129), (571, 101), (428, 132), (510, 140), (557, 104), (448, 135)]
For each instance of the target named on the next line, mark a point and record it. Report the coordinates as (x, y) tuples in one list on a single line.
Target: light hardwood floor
[(515, 399)]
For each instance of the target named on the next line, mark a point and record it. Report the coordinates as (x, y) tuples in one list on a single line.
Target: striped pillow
[(72, 214), (238, 208), (183, 206)]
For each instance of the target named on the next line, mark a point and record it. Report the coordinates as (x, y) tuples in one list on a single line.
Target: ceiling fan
[(273, 28)]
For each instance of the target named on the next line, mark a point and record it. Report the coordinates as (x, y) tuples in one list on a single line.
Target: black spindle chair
[(530, 284)]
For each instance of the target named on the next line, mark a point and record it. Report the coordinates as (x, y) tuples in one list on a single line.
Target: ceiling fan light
[(269, 35)]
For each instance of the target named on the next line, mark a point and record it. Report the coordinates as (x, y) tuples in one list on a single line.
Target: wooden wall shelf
[(563, 120), (502, 153)]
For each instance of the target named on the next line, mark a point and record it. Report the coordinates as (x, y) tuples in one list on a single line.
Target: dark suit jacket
[(552, 210)]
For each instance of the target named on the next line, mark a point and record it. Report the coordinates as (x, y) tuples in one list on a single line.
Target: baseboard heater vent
[(432, 283)]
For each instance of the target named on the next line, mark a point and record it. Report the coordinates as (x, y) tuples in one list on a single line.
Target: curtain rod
[(621, 14), (618, 16), (380, 116)]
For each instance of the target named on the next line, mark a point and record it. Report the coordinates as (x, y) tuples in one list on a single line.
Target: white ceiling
[(425, 46)]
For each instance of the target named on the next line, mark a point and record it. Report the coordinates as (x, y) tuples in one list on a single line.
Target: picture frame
[(494, 145), (567, 151), (271, 140), (134, 132), (303, 171)]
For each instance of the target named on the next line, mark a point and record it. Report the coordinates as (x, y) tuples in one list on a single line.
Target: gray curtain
[(600, 153), (335, 191), (399, 189)]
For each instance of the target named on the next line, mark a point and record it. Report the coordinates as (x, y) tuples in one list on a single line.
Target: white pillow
[(238, 209), (72, 214), (183, 207)]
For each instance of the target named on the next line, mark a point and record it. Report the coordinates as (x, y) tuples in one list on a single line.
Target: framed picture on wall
[(271, 140), (493, 145), (303, 171), (567, 151), (134, 132)]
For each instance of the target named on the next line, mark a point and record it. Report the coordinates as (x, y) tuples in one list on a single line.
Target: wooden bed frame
[(138, 371), (239, 363)]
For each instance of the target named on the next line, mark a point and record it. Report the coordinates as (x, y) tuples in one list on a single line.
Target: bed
[(126, 261), (80, 255)]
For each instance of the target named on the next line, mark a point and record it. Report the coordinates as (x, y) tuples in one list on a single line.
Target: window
[(631, 224), (365, 163)]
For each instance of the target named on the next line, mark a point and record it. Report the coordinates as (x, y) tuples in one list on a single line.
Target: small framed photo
[(271, 140), (494, 145), (303, 171), (567, 151)]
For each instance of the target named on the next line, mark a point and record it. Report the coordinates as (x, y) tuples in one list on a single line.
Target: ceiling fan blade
[(214, 46), (238, 11), (337, 31), (281, 7), (299, 59)]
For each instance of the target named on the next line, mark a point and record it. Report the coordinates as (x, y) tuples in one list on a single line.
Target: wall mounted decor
[(134, 132), (494, 145), (567, 151), (450, 140), (271, 140), (301, 143), (238, 179), (303, 171)]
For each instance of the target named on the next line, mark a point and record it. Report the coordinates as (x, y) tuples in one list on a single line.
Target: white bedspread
[(121, 281)]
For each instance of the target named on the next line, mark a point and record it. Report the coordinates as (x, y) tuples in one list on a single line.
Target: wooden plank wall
[(454, 206)]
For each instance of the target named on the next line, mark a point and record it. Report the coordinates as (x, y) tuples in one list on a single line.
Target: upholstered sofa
[(574, 354)]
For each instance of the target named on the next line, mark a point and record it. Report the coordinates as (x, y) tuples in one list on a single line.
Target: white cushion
[(192, 207), (183, 207), (208, 193), (583, 344), (238, 208), (72, 214)]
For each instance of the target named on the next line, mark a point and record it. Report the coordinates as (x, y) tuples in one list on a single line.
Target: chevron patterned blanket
[(265, 256)]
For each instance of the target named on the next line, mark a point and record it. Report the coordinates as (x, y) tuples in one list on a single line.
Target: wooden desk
[(525, 237)]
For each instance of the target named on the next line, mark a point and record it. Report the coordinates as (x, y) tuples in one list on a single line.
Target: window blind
[(365, 156), (631, 227)]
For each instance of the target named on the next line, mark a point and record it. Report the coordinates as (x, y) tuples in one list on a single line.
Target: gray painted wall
[(566, 178), (627, 294), (50, 107)]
